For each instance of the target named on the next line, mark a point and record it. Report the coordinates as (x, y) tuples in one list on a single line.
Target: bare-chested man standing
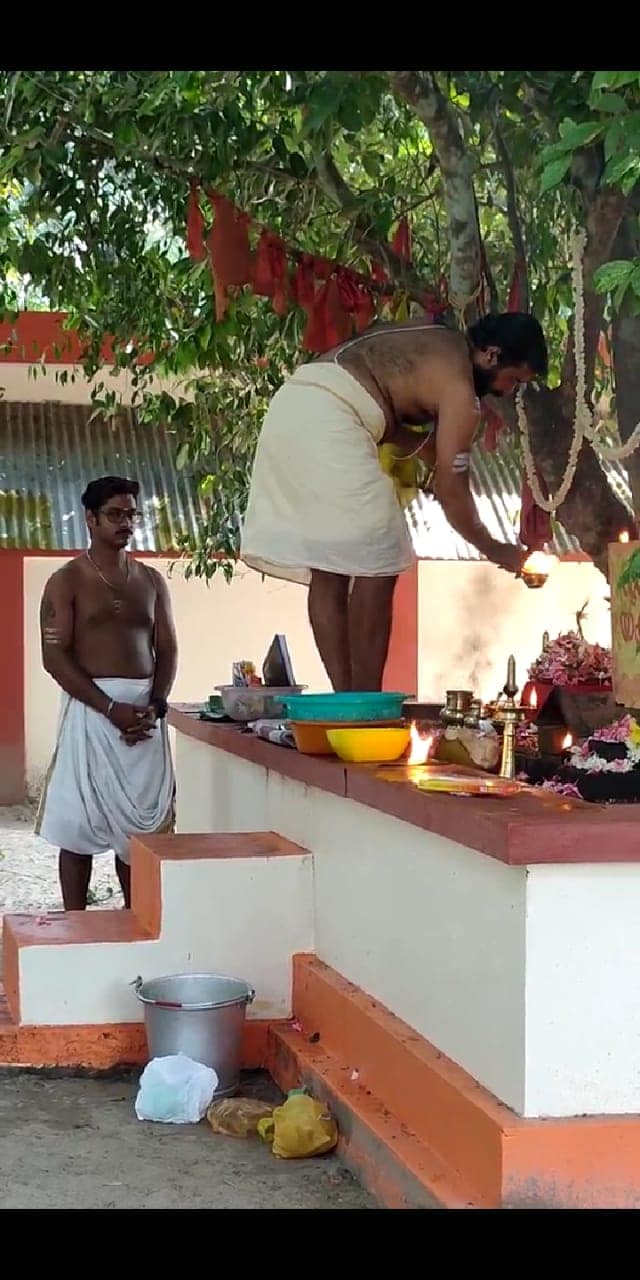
[(321, 510), (109, 641)]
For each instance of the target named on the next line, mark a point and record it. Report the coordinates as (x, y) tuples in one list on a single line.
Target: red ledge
[(536, 827), (315, 771)]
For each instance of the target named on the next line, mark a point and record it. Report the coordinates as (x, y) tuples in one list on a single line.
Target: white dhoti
[(99, 791), (318, 497)]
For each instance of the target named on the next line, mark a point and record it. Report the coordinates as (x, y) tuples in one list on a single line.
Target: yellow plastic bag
[(238, 1117), (301, 1127)]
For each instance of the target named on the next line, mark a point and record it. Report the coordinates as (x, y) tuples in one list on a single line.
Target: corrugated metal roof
[(49, 451), (496, 480)]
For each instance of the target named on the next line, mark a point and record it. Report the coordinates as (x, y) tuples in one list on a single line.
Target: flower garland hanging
[(584, 427)]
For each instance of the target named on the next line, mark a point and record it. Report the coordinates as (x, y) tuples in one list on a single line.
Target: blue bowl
[(345, 707)]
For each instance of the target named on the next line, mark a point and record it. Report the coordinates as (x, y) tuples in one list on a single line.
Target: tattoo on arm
[(50, 632)]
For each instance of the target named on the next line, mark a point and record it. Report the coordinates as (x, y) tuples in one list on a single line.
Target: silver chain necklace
[(117, 602)]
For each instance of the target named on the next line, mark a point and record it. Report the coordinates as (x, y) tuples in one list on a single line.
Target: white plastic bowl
[(255, 702)]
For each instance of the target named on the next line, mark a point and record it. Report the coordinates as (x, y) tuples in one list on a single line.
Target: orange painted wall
[(401, 671)]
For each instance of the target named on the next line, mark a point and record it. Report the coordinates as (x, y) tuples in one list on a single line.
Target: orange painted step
[(418, 1128)]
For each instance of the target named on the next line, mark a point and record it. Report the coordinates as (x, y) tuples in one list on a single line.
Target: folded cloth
[(98, 791)]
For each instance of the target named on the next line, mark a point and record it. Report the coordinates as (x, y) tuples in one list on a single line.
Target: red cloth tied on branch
[(196, 246), (231, 257), (493, 426), (401, 243), (535, 524), (356, 300), (303, 283), (323, 268), (270, 278), (518, 289), (328, 324)]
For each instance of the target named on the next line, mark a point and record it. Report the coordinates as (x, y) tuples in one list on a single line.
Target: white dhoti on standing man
[(319, 498), (99, 791)]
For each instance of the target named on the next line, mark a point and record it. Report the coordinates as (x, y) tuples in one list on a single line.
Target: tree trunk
[(626, 356), (591, 512)]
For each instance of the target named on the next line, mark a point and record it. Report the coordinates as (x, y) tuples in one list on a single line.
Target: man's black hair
[(519, 337), (99, 491)]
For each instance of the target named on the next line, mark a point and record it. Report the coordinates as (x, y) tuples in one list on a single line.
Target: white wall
[(242, 916), (433, 930), (527, 977), (472, 615), (583, 979), (216, 625), (33, 384)]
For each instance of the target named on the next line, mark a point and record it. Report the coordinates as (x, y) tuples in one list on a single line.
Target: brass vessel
[(457, 706)]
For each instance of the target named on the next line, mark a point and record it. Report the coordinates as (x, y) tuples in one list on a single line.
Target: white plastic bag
[(175, 1090)]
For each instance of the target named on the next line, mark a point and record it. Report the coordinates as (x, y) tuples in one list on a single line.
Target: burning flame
[(538, 562), (623, 536), (567, 741), (533, 699), (420, 746)]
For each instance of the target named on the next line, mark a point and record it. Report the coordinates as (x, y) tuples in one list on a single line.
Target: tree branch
[(513, 217), (334, 187), (420, 90), (605, 210)]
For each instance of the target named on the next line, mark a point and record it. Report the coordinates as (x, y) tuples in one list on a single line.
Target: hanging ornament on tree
[(401, 243), (329, 323), (303, 283), (271, 278), (231, 257)]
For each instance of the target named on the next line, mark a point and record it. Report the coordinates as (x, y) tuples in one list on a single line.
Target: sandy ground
[(29, 868), (76, 1144)]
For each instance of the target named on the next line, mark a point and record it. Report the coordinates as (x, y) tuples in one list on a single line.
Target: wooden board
[(625, 626)]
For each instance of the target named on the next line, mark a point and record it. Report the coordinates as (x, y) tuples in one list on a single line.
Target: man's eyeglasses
[(122, 515)]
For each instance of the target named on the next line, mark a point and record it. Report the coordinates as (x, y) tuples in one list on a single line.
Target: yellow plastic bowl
[(369, 746)]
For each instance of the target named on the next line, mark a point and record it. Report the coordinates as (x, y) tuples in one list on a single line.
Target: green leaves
[(94, 176), (615, 79), (554, 172), (616, 278)]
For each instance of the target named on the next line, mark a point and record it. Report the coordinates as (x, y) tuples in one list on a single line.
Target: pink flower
[(562, 788), (569, 660)]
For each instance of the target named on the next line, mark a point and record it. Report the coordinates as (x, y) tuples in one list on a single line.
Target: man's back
[(401, 366)]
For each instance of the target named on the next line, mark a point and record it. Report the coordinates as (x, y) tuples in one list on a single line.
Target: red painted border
[(40, 335), (534, 827), (12, 735)]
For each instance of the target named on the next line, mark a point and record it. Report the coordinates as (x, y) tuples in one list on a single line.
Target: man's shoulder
[(67, 576), (158, 579)]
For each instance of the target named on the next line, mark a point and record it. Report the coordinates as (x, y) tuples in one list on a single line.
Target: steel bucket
[(201, 1015)]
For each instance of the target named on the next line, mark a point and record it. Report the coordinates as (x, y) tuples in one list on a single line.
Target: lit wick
[(567, 742), (623, 536), (420, 746), (533, 700)]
